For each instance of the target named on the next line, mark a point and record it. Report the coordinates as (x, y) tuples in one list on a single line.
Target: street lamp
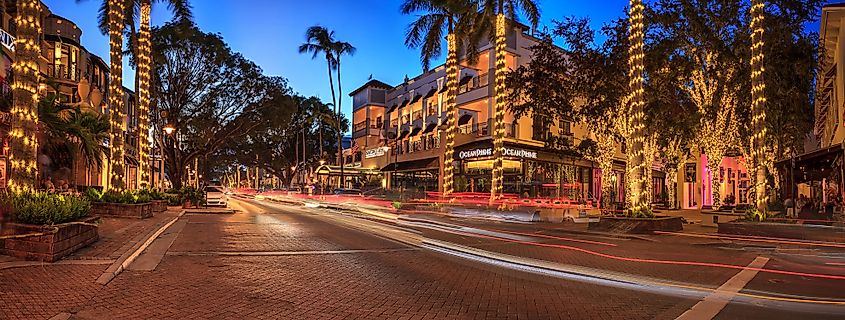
[(169, 129)]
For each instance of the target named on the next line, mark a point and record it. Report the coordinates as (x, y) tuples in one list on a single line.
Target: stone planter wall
[(637, 225), (785, 230), (49, 243), (159, 205), (137, 211)]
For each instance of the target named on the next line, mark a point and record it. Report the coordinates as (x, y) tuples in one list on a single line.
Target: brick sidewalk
[(42, 290)]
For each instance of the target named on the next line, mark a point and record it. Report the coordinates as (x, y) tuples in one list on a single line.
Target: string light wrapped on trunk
[(117, 120), (758, 104), (144, 65), (451, 114), (499, 110), (24, 111), (637, 167)]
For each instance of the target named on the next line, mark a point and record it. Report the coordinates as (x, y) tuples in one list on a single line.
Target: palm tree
[(758, 104), (340, 48), (72, 134), (501, 11), (140, 54), (456, 18), (636, 157), (24, 144)]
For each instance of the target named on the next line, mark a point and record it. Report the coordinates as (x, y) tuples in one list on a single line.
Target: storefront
[(418, 175), (528, 172)]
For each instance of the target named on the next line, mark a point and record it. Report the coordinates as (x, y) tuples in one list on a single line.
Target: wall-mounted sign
[(2, 172), (376, 152), (486, 152), (7, 40)]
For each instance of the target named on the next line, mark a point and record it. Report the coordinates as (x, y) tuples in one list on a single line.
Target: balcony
[(62, 72)]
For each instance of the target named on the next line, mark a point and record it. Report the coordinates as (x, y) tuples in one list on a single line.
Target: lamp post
[(168, 129)]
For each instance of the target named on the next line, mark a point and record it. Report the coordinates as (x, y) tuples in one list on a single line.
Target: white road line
[(716, 301)]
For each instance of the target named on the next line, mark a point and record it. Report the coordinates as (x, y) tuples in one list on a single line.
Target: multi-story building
[(77, 77), (818, 173), (399, 130)]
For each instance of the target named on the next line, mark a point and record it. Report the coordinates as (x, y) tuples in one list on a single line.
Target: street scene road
[(276, 260)]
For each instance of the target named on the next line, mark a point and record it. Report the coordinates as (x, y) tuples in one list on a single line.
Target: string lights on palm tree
[(143, 73), (118, 125), (24, 112), (637, 164), (758, 105)]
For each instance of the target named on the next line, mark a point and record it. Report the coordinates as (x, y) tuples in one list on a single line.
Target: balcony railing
[(360, 126), (478, 81), (62, 72), (417, 115)]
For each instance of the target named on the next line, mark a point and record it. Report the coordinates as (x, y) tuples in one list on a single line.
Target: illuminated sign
[(486, 152), (7, 40), (372, 153)]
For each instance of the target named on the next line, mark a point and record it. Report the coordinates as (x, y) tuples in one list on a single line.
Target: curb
[(129, 256)]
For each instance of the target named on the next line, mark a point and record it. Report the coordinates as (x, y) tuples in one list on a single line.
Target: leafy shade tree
[(457, 18), (23, 141), (209, 94), (502, 12)]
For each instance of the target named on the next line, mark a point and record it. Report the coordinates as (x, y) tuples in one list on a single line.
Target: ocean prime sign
[(486, 152)]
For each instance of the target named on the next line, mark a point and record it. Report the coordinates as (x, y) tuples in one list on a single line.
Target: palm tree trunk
[(499, 108), (23, 140), (758, 104), (339, 125), (116, 137), (637, 175), (142, 81), (452, 74)]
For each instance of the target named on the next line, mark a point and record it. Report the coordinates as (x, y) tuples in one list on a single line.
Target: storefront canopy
[(814, 165), (428, 163), (347, 170)]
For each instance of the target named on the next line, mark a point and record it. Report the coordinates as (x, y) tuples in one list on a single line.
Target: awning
[(403, 134), (131, 161), (404, 103), (464, 80), (415, 131), (416, 98), (464, 119), (445, 87), (347, 170), (392, 107), (814, 165), (428, 163), (431, 92), (430, 127)]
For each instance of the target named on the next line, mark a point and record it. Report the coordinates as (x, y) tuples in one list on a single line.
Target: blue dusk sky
[(270, 31)]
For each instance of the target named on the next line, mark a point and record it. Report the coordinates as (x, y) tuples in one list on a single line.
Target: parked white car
[(215, 196)]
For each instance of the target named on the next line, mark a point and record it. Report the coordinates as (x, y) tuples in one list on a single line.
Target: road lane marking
[(716, 301)]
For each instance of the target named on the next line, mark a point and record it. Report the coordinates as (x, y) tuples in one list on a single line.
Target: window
[(540, 128), (565, 128), (379, 123)]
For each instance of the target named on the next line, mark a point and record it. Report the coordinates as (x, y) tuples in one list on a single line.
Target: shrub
[(397, 205), (44, 208), (122, 197)]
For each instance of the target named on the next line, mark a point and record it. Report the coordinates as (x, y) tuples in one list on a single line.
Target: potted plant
[(46, 227), (192, 197)]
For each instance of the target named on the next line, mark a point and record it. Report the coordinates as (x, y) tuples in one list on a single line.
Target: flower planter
[(637, 225), (159, 206), (47, 243), (811, 232), (121, 210)]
